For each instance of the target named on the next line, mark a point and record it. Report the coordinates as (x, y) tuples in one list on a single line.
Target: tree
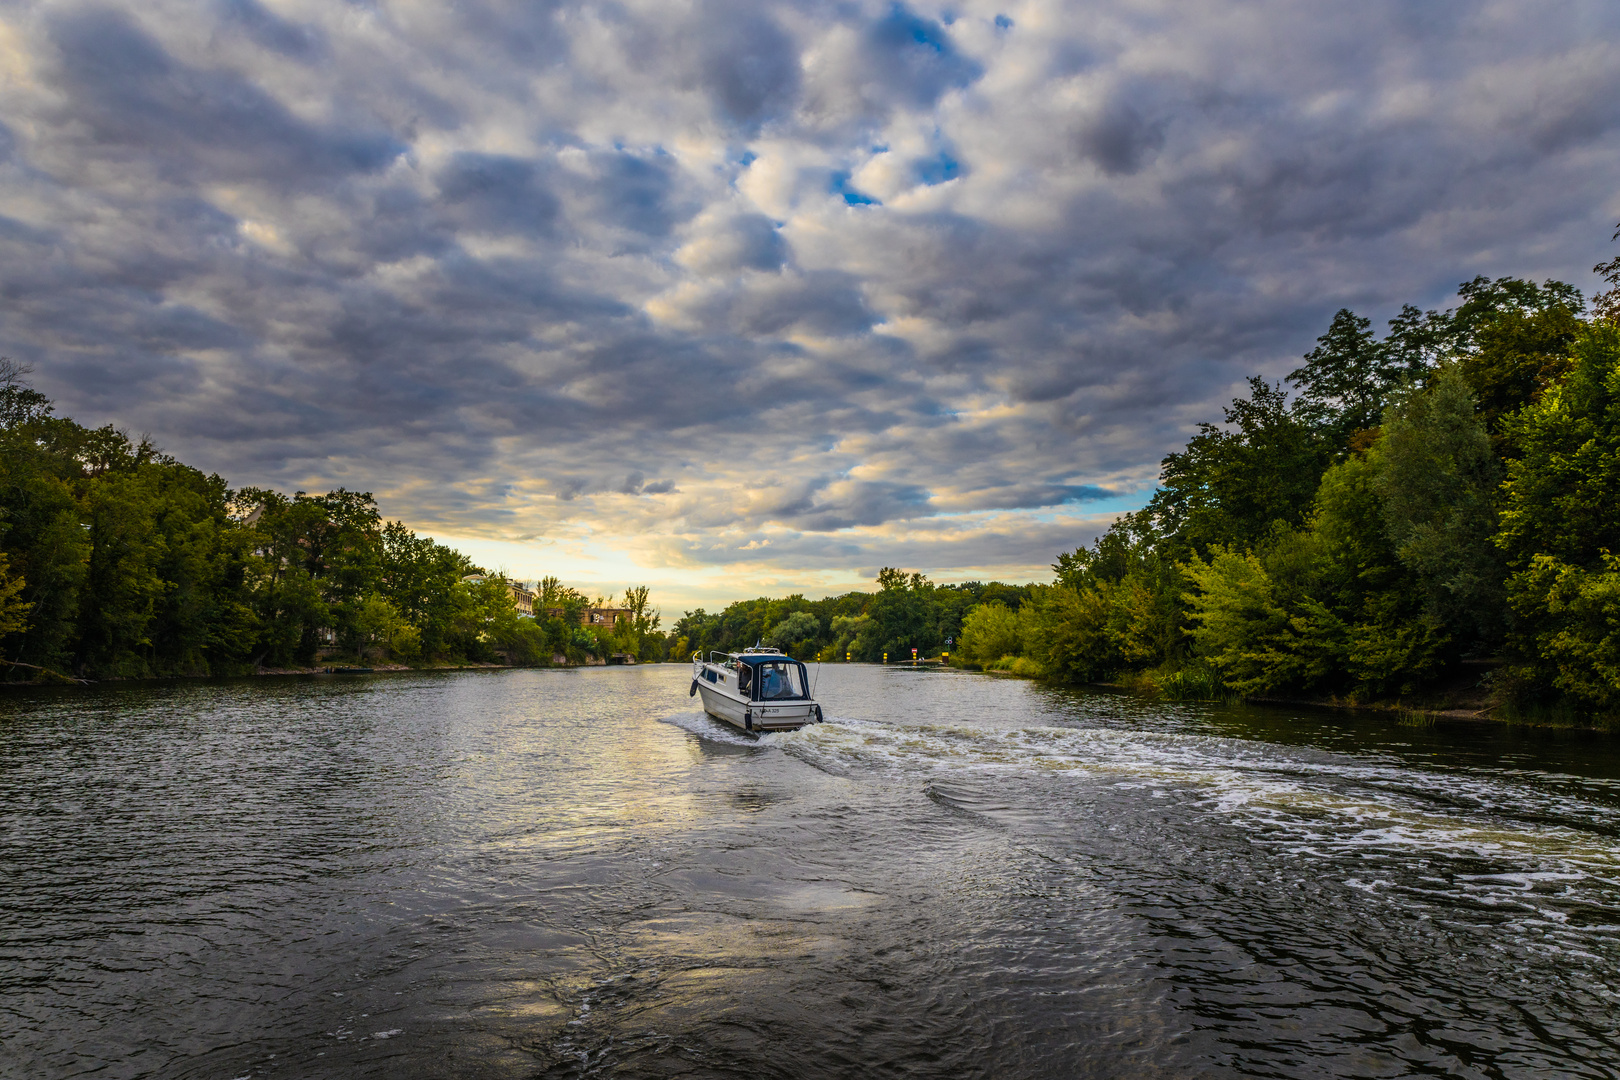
[(122, 585), (1606, 305), (903, 613), (1346, 380), (45, 543), (641, 631), (493, 628), (797, 628), (20, 404), (1139, 585), (1071, 634), (1562, 496), (1255, 639), (990, 632), (1560, 526), (1370, 608), (852, 635), (381, 631), (1572, 617), (1417, 343), (1231, 485), (1437, 478), (13, 608)]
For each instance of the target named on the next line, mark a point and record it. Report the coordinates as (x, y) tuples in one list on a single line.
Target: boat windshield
[(776, 681)]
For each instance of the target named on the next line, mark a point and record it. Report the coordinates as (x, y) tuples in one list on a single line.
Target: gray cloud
[(269, 30), (573, 270), (496, 193), (131, 96), (1119, 140), (734, 243), (746, 61)]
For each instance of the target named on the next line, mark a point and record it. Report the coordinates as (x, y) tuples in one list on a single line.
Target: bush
[(990, 631), (1197, 683)]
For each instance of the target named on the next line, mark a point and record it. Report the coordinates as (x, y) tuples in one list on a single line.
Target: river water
[(576, 873)]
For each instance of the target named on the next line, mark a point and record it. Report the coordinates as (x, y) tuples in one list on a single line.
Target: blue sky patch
[(937, 170), (839, 185)]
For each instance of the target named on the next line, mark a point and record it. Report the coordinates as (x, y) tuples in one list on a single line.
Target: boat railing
[(729, 657)]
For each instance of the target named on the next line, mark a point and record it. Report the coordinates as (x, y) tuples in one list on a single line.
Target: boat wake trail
[(708, 728), (1541, 854)]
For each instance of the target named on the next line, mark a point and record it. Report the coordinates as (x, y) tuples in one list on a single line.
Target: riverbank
[(1465, 698), (331, 665)]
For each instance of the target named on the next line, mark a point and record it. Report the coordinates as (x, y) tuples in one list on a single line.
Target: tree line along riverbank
[(1426, 517), (118, 561)]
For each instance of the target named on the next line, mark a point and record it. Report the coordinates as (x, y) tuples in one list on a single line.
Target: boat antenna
[(817, 676)]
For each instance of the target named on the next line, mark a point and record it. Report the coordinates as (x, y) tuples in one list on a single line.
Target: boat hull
[(756, 716)]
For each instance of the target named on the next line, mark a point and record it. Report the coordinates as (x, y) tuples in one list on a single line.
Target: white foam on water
[(1525, 845), (1547, 846)]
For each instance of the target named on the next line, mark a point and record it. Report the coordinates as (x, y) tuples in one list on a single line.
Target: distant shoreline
[(60, 680)]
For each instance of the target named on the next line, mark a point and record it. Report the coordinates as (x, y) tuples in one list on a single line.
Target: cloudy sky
[(736, 298)]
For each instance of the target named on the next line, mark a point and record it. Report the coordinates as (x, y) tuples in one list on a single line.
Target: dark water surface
[(567, 873)]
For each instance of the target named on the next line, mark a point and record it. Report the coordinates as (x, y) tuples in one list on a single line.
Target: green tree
[(848, 632), (46, 545), (382, 632), (1326, 609), (1255, 639), (496, 630), (794, 631), (20, 404), (122, 586), (1349, 568), (1437, 478), (1232, 485), (1560, 524), (904, 618), (1606, 305), (1562, 497), (13, 608), (1072, 635), (638, 635), (990, 632), (1572, 617), (1518, 345), (1350, 375)]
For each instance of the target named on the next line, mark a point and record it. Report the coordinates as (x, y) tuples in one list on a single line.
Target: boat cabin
[(761, 676), (757, 689)]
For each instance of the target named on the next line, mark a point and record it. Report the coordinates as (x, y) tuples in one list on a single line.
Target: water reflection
[(568, 873)]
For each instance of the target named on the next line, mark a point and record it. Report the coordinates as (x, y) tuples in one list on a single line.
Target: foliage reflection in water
[(520, 874)]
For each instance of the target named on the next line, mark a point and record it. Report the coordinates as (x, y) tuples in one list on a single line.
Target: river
[(575, 873)]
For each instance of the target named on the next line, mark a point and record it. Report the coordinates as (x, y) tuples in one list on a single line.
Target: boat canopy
[(773, 676), (778, 679), (750, 656)]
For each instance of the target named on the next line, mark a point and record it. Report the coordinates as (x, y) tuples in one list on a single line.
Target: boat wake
[(1545, 853)]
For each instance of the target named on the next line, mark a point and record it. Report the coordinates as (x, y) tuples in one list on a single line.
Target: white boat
[(756, 689)]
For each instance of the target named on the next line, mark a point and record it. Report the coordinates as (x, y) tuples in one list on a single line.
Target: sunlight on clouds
[(731, 297), (266, 236), (16, 62)]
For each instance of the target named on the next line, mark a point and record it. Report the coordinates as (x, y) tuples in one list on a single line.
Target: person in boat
[(770, 682), (745, 677)]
